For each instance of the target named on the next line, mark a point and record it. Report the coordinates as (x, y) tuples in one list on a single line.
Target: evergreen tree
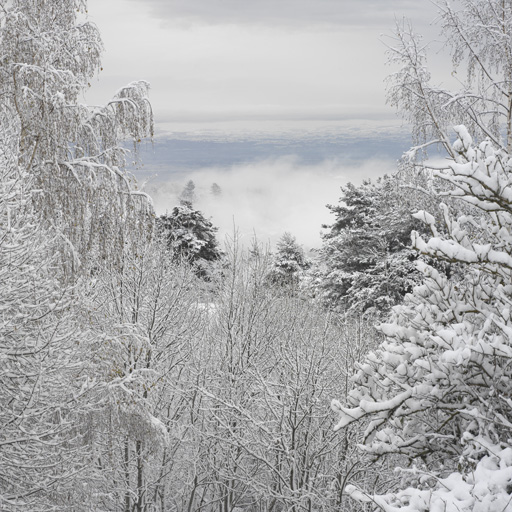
[(289, 261), (437, 391), (188, 195), (366, 261), (216, 190), (190, 236)]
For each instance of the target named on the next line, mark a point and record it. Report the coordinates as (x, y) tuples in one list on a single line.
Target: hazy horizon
[(290, 94), (270, 183)]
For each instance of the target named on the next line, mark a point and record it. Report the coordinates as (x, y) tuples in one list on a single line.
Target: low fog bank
[(268, 197)]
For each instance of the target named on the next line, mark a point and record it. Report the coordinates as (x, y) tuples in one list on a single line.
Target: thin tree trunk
[(140, 475), (127, 500)]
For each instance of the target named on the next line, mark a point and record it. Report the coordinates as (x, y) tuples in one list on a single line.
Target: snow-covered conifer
[(289, 261), (366, 261), (190, 235), (437, 391)]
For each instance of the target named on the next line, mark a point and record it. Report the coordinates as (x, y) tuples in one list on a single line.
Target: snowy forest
[(147, 366)]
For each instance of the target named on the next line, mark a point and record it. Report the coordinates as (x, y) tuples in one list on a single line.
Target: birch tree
[(41, 382), (48, 59), (145, 320), (66, 205), (478, 35)]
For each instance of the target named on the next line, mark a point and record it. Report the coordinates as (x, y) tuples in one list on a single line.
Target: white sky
[(221, 63)]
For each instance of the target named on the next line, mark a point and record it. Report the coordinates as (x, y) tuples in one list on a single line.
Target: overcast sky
[(259, 63), (306, 75)]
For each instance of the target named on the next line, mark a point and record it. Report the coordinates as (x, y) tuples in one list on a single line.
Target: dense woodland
[(146, 366)]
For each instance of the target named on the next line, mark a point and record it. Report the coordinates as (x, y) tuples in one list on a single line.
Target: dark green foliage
[(366, 255), (289, 261), (189, 235)]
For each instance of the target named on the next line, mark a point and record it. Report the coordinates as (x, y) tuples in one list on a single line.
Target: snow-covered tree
[(437, 391), (267, 368), (48, 59), (366, 261), (289, 261), (144, 317), (65, 205), (479, 36), (190, 236), (40, 350)]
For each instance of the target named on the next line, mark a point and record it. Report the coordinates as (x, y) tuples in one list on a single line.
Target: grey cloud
[(314, 113), (290, 12)]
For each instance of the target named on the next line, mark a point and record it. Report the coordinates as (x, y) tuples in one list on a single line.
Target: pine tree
[(190, 236), (289, 261), (366, 261), (216, 190), (188, 195), (437, 391)]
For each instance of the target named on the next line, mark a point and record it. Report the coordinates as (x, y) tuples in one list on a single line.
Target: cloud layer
[(291, 13), (218, 62)]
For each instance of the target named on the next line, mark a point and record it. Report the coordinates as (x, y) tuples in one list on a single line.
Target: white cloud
[(289, 13), (237, 60), (269, 197)]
